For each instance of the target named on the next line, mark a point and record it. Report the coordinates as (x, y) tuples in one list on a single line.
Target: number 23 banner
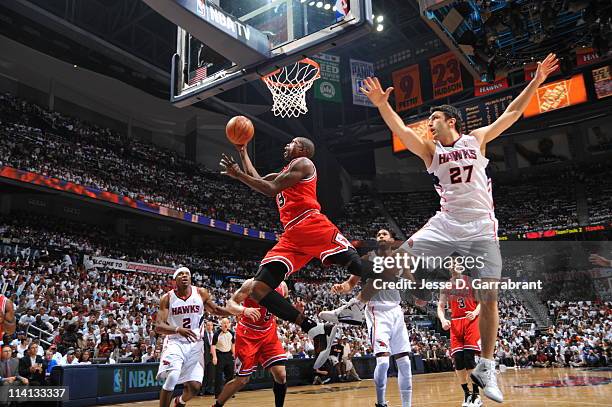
[(445, 75)]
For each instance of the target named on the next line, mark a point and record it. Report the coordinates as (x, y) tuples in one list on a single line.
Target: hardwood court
[(547, 387)]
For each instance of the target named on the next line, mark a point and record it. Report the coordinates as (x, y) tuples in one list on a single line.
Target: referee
[(222, 350)]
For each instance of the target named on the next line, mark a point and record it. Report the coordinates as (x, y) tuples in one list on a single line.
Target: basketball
[(239, 130)]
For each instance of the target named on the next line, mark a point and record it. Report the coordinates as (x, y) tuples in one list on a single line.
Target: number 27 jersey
[(462, 181)]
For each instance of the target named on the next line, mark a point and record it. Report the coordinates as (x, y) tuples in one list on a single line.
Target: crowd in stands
[(580, 337), (45, 142), (38, 140), (361, 217)]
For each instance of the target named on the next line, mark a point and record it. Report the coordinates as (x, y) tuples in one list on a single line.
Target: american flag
[(197, 75)]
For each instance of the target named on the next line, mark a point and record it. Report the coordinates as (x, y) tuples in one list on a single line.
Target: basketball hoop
[(289, 85)]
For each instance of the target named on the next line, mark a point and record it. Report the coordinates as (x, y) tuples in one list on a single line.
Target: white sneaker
[(476, 401), (484, 376), (350, 313), (323, 338), (466, 401)]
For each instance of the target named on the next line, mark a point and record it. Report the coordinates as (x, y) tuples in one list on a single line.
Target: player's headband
[(181, 270)]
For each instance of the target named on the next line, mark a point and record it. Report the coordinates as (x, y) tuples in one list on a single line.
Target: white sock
[(404, 380), (489, 363), (380, 378)]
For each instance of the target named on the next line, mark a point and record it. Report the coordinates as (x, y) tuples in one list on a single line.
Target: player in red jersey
[(257, 343), (465, 335), (308, 234), (7, 317)]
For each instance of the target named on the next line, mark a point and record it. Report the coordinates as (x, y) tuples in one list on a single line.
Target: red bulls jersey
[(460, 304), (2, 310), (298, 201), (266, 321)]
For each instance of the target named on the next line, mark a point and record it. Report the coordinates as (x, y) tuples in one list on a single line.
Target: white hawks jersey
[(384, 298), (185, 313), (463, 185)]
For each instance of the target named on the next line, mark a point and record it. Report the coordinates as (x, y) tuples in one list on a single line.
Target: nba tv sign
[(327, 88)]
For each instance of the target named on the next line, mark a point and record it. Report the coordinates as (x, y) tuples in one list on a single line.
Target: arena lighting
[(380, 19), (319, 4), (327, 6), (380, 27), (312, 3)]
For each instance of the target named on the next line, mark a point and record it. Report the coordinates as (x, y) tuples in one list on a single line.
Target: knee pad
[(272, 274), (172, 379), (459, 360), (380, 372), (469, 356)]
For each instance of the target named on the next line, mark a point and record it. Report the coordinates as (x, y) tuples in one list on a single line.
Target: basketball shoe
[(475, 401), (484, 376), (322, 336), (350, 313)]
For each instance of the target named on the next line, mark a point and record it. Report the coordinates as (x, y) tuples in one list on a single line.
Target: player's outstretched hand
[(374, 91), (546, 67), (252, 313), (187, 333), (471, 315), (599, 260), (229, 166), (340, 288)]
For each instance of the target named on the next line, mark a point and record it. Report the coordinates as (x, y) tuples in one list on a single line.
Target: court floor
[(522, 388)]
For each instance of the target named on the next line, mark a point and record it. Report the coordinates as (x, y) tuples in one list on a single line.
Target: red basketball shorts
[(315, 236), (465, 335), (256, 348)]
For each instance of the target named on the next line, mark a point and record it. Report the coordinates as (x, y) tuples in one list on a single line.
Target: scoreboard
[(485, 112)]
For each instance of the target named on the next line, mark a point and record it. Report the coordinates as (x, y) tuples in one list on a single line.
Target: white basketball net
[(289, 85)]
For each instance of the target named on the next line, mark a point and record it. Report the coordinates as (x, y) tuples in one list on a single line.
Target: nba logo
[(342, 9), (117, 381)]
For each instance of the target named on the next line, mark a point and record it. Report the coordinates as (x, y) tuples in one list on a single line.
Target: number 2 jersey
[(462, 181), (185, 312)]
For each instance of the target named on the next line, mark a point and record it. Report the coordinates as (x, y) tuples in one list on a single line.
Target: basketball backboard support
[(222, 44)]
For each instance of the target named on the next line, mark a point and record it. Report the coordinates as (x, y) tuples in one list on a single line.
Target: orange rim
[(268, 78)]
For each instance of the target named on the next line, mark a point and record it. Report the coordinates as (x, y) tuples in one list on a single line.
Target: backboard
[(222, 44)]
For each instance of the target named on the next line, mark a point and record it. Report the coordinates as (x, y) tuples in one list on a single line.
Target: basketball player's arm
[(9, 324), (249, 168), (299, 170), (211, 306), (515, 109), (233, 304), (441, 311), (346, 286), (380, 98), (163, 328)]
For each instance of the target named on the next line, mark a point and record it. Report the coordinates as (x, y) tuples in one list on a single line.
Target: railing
[(40, 333)]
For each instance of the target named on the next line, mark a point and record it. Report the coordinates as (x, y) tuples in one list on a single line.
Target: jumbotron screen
[(557, 95), (419, 127)]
